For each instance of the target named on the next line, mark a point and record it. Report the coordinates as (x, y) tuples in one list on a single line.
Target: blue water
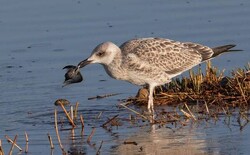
[(38, 38)]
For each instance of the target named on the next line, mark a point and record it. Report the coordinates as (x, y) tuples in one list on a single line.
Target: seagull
[(146, 61)]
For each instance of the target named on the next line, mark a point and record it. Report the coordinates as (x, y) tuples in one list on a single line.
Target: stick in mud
[(98, 151), (57, 133), (50, 141), (12, 146), (91, 135), (8, 138), (27, 142)]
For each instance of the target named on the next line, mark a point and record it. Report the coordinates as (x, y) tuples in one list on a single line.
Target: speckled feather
[(162, 58)]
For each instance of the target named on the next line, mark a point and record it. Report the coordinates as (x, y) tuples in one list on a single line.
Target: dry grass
[(202, 96), (211, 88)]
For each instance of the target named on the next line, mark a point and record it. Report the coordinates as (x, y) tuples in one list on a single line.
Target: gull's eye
[(100, 54)]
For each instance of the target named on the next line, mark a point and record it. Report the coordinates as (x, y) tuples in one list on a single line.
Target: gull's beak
[(84, 63)]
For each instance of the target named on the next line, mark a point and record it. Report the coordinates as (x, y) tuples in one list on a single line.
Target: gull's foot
[(150, 116)]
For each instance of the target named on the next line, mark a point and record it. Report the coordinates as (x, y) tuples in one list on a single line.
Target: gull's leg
[(151, 100)]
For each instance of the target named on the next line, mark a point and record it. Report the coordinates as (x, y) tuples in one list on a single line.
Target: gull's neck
[(114, 69)]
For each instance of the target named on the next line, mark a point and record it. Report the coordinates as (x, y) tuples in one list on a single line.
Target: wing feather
[(165, 55)]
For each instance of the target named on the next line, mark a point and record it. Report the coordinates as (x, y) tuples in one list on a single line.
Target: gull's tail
[(221, 49)]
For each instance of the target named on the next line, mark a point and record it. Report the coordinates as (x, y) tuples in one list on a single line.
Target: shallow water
[(38, 38)]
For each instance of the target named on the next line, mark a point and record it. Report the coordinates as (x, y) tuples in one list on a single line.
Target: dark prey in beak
[(72, 75)]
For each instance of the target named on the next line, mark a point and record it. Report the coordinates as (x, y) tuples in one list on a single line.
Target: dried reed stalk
[(50, 141), (57, 133), (27, 142), (1, 148), (190, 112), (82, 122), (91, 135), (241, 91), (207, 108), (8, 138), (76, 110), (69, 118), (12, 146), (134, 111), (186, 114), (72, 113)]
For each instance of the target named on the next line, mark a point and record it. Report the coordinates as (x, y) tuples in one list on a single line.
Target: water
[(38, 38)]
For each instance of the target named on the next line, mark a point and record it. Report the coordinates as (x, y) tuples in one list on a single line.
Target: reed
[(50, 141), (91, 135), (76, 110), (27, 142), (13, 144), (1, 148), (57, 134)]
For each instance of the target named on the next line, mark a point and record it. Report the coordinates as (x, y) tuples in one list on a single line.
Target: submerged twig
[(102, 96), (99, 115), (98, 151), (103, 125)]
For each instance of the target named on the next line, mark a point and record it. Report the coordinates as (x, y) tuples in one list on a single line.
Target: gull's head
[(104, 54)]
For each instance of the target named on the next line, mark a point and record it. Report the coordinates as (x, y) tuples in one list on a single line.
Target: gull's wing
[(165, 55)]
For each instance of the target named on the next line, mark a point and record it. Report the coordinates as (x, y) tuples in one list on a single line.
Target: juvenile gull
[(148, 61)]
